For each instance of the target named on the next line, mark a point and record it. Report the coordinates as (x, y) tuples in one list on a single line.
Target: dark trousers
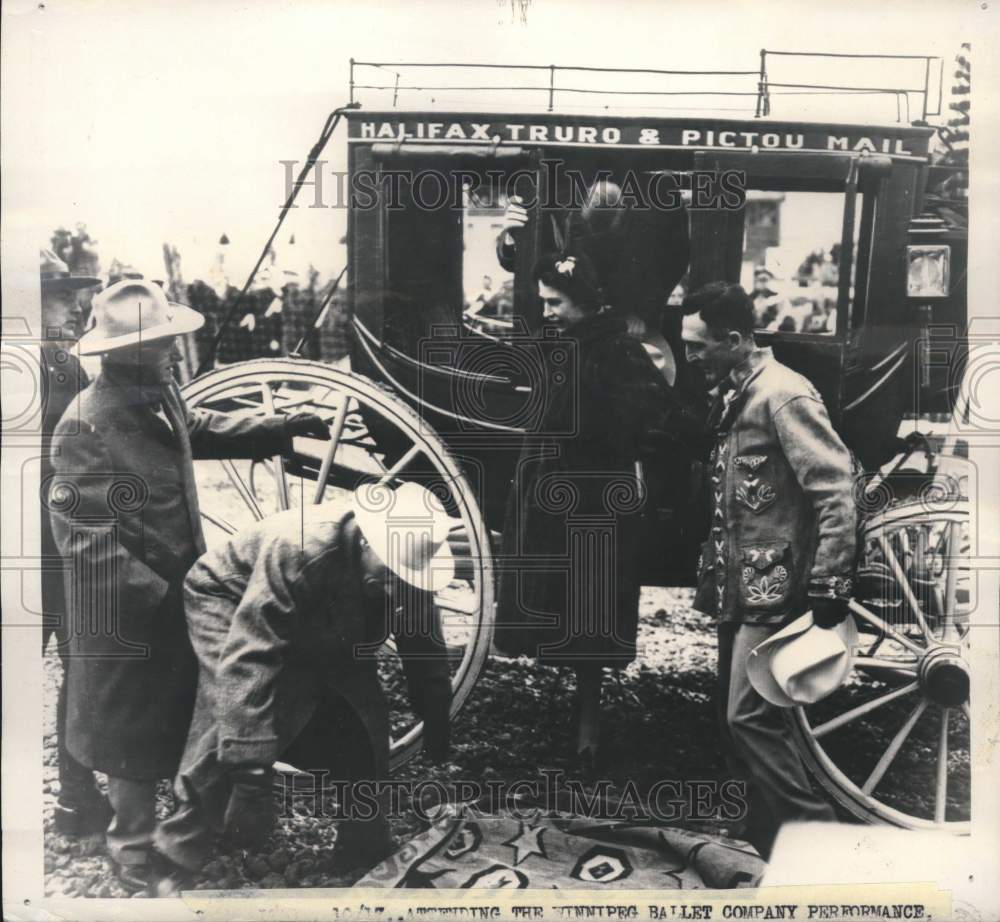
[(130, 835), (334, 746), (76, 781), (758, 744)]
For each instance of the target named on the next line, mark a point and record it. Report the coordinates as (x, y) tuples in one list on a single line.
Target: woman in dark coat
[(569, 587)]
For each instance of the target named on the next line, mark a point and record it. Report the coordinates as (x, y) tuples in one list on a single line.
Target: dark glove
[(306, 424), (828, 613), (250, 814)]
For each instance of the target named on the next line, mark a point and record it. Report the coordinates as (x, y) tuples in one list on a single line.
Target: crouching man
[(285, 618)]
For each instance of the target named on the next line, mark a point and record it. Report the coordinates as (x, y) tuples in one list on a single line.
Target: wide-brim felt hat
[(407, 528), (132, 312), (802, 663), (55, 275)]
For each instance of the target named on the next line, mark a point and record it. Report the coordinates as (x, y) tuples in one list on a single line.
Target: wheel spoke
[(336, 432), (247, 402), (941, 793), (862, 709), (280, 478), (877, 662), (897, 743), (951, 574), (399, 465), (904, 583), (246, 494), (875, 620), (290, 403), (940, 551), (219, 522), (875, 645)]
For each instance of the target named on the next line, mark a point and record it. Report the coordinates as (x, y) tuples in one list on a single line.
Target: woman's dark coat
[(570, 563), (123, 525)]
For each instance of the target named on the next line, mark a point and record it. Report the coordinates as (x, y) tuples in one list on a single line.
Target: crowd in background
[(273, 319), (806, 303)]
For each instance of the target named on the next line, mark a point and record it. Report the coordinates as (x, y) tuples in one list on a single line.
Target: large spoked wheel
[(892, 745), (375, 438)]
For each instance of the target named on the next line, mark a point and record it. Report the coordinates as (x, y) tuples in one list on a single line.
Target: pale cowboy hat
[(802, 663), (408, 529), (55, 275), (134, 311)]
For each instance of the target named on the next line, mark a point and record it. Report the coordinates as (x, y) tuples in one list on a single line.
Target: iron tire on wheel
[(347, 401)]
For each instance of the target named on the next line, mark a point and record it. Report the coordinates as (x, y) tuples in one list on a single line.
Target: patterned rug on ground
[(556, 851)]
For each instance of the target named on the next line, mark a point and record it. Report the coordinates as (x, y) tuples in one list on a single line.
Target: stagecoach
[(446, 378)]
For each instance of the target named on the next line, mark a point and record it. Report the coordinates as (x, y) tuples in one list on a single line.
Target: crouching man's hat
[(802, 663), (408, 529), (133, 311)]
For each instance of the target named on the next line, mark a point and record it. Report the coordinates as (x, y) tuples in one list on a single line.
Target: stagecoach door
[(435, 313)]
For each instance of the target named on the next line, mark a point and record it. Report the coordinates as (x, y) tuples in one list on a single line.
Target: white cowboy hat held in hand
[(132, 312), (802, 663), (408, 529)]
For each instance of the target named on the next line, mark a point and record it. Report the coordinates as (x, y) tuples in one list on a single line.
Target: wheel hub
[(944, 677)]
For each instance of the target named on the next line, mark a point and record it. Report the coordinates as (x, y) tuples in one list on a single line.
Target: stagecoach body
[(408, 264), (445, 393)]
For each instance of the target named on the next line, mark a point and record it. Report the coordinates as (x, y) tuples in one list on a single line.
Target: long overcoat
[(121, 516), (569, 583), (62, 379)]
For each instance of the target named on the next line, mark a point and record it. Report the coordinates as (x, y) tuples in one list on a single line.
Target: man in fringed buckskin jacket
[(782, 539)]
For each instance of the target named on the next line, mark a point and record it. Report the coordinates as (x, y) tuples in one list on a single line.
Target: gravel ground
[(658, 724), (518, 719)]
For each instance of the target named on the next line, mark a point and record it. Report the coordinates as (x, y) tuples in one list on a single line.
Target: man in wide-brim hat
[(285, 618), (61, 312), (80, 808), (126, 520)]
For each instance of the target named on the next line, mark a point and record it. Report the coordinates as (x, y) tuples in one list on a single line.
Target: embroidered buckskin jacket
[(781, 495)]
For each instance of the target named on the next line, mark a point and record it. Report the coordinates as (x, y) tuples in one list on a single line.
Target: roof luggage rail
[(902, 93), (593, 82)]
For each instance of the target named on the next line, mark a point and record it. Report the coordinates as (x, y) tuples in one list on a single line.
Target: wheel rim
[(236, 493), (902, 718)]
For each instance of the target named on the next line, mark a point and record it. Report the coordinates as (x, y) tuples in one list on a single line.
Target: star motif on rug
[(527, 842)]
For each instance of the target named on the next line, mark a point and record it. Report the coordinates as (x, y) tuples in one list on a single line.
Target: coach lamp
[(928, 270)]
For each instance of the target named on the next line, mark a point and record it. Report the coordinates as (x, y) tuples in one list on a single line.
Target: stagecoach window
[(792, 259), (424, 265), (488, 290), (442, 268)]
